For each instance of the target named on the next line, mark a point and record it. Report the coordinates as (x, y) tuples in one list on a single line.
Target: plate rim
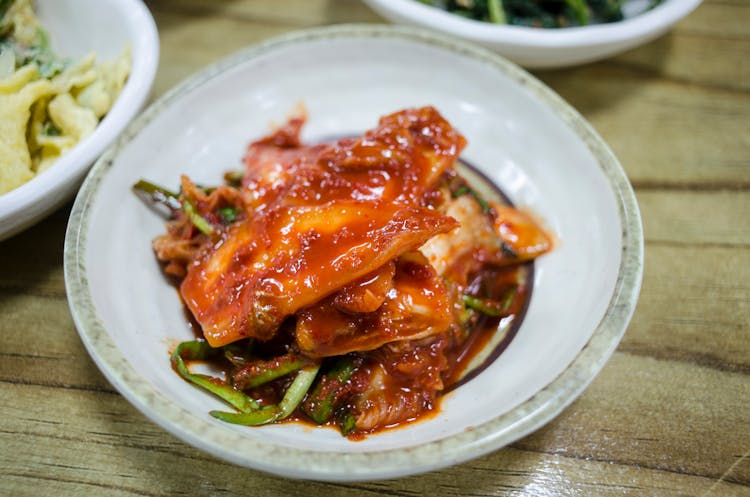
[(499, 431)]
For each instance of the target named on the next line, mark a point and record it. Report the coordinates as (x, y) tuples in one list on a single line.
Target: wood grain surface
[(668, 416)]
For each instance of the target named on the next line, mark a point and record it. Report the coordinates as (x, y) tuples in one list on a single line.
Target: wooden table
[(668, 416)]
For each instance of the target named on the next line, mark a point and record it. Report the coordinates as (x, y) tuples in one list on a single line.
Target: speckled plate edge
[(296, 463)]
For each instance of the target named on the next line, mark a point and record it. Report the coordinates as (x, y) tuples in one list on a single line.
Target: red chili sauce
[(369, 260)]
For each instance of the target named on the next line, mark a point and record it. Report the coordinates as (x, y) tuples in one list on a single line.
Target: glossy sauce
[(328, 217), (445, 362), (322, 262)]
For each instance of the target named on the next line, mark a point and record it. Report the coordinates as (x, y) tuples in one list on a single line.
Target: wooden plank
[(666, 134), (193, 34), (708, 47), (31, 262), (694, 306), (692, 57), (297, 13), (718, 18), (689, 218), (41, 346), (666, 417), (656, 414), (192, 43), (75, 442)]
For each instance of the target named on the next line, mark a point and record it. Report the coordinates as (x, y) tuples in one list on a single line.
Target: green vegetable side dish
[(538, 13)]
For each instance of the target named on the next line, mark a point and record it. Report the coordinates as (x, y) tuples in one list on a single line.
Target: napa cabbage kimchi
[(342, 283)]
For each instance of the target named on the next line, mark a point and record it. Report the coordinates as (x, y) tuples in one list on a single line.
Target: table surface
[(667, 416)]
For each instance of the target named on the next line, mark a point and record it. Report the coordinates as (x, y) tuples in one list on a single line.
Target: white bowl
[(521, 136), (76, 28), (539, 47)]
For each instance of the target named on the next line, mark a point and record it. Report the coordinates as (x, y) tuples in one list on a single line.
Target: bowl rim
[(652, 21), (298, 463), (71, 167)]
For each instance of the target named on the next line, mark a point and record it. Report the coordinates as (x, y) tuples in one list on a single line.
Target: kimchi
[(342, 283)]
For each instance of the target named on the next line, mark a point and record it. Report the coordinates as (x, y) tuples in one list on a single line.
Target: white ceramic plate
[(521, 135), (76, 28), (537, 47)]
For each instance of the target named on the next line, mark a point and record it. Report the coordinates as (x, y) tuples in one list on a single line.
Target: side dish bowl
[(540, 47), (521, 135), (76, 28)]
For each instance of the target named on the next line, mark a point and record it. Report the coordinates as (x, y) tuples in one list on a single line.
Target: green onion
[(508, 251), (466, 189), (237, 354), (234, 178), (268, 414), (298, 389), (197, 350), (161, 195), (347, 423), (228, 214), (158, 194), (461, 190), (262, 416), (489, 307), (198, 221), (257, 373), (322, 400)]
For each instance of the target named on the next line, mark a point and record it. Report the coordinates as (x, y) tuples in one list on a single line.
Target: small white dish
[(521, 135), (76, 28), (540, 47)]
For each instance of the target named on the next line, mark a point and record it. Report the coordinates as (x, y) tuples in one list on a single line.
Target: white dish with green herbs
[(543, 34)]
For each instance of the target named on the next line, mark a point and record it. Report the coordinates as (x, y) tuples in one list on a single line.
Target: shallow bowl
[(76, 28), (521, 135), (540, 47)]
